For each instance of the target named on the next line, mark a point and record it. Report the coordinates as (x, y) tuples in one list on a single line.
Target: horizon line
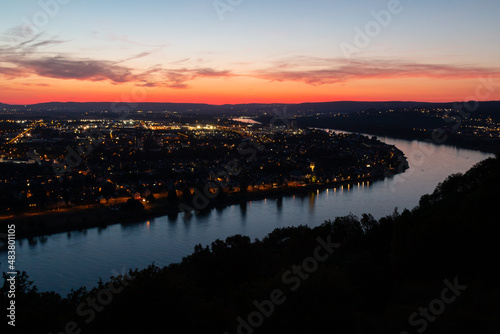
[(248, 103)]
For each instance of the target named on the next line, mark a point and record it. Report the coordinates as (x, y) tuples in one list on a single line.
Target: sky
[(249, 51)]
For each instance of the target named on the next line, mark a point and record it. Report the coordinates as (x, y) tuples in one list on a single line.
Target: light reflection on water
[(64, 261)]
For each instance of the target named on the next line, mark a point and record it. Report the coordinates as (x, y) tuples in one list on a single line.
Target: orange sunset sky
[(249, 51)]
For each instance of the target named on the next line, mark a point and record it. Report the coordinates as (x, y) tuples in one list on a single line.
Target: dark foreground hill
[(432, 270)]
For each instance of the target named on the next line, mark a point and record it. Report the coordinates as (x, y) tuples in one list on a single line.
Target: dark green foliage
[(383, 272), (150, 198), (132, 205), (172, 196)]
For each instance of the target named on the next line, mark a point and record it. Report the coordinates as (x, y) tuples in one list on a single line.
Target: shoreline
[(79, 219), (484, 146)]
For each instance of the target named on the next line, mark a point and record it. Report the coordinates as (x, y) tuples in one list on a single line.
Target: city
[(249, 167), (60, 164)]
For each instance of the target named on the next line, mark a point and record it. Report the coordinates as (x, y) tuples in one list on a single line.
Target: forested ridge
[(371, 276)]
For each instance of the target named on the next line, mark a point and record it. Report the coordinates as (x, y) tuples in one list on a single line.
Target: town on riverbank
[(60, 175)]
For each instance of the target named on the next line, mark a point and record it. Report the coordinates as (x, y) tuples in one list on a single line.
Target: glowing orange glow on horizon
[(244, 90)]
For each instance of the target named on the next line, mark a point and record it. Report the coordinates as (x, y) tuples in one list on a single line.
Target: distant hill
[(313, 107), (414, 124)]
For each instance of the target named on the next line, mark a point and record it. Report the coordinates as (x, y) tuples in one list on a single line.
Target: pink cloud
[(22, 60), (320, 71)]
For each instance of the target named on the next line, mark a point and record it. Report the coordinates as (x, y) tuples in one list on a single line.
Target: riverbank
[(476, 144), (77, 219), (409, 257)]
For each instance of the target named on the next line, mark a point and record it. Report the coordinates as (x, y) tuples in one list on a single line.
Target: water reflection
[(203, 214), (187, 216), (312, 198), (167, 239), (32, 242), (172, 217), (243, 209), (279, 205), (132, 227)]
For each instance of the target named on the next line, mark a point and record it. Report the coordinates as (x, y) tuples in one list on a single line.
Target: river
[(66, 261)]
